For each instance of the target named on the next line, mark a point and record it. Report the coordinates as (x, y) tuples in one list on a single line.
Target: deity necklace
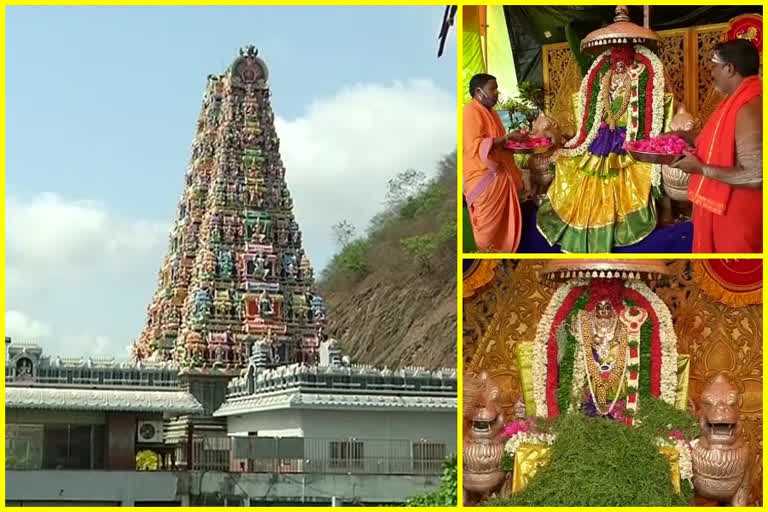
[(596, 337), (623, 90)]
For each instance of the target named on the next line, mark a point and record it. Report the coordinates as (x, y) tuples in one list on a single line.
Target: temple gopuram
[(235, 395), (612, 382), (235, 272)]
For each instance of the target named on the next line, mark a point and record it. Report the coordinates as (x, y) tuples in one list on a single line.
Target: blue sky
[(101, 109)]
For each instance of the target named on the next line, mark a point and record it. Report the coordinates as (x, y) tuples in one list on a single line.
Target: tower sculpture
[(235, 271)]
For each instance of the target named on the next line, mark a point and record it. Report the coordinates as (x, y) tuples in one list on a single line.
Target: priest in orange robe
[(492, 180), (726, 186)]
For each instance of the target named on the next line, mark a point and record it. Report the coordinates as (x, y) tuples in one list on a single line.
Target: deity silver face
[(604, 309)]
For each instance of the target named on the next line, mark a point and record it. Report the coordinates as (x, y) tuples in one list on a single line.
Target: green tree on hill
[(414, 233)]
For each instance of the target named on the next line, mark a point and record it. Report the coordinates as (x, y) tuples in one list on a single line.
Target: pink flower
[(676, 434)]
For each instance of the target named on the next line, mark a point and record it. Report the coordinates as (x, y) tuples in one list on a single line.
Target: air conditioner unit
[(149, 432)]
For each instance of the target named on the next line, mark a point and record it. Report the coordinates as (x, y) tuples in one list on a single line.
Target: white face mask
[(486, 101)]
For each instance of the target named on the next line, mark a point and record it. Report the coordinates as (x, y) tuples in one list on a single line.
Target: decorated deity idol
[(601, 197), (603, 344), (603, 386), (602, 329)]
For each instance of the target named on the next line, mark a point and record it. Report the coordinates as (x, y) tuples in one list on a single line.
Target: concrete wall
[(378, 428), (283, 423), (411, 425), (319, 488), (130, 487), (125, 487)]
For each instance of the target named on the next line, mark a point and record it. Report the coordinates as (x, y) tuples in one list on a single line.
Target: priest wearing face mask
[(492, 180)]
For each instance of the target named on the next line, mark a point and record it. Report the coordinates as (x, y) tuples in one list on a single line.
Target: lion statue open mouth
[(483, 449), (721, 457)]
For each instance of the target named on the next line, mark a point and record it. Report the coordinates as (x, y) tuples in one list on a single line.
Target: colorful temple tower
[(235, 272)]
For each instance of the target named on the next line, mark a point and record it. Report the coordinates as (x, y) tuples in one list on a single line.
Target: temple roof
[(74, 399), (296, 399), (335, 384)]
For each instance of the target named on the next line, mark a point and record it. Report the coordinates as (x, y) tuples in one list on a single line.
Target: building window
[(428, 457), (23, 446), (347, 454), (54, 446)]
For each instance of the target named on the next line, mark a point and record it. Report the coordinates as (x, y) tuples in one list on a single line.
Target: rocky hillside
[(391, 293)]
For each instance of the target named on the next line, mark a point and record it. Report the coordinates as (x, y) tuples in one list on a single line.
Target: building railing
[(317, 455), (268, 455)]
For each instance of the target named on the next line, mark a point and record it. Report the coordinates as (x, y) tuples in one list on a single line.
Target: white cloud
[(49, 238), (84, 345), (341, 152), (19, 326), (89, 274), (86, 272), (49, 230)]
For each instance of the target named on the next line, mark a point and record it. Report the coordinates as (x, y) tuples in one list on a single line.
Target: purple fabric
[(609, 141), (589, 407)]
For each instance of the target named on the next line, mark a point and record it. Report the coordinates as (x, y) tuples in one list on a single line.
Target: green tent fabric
[(501, 64), (472, 54)]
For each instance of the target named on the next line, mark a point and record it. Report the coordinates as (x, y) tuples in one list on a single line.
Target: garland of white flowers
[(539, 358), (538, 438), (684, 455), (668, 340), (568, 150), (657, 108), (657, 124), (578, 380)]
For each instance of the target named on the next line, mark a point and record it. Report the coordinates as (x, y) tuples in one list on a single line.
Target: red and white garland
[(633, 318), (539, 357), (667, 336), (572, 147), (579, 144), (668, 341), (657, 124)]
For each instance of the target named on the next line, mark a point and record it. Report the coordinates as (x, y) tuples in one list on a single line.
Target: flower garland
[(569, 351), (655, 340), (587, 111), (541, 341), (554, 368), (655, 109), (578, 380), (633, 318), (684, 451), (650, 346), (666, 348), (642, 102), (633, 114), (524, 432)]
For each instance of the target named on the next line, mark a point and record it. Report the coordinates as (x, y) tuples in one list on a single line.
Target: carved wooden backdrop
[(685, 53), (717, 338)]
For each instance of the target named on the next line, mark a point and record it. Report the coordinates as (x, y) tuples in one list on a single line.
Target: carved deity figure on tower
[(222, 249)]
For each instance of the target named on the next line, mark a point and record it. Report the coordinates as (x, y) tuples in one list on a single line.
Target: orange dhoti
[(726, 219), (491, 182)]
